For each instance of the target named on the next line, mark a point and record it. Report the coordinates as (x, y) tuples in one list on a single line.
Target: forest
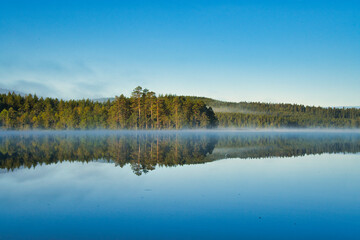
[(146, 110), (270, 115), (143, 110)]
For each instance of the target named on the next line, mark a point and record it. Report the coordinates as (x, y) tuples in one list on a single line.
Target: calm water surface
[(180, 185)]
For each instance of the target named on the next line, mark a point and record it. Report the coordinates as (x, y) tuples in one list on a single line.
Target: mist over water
[(145, 150), (267, 184)]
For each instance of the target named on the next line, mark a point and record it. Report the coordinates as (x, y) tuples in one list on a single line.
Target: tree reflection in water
[(144, 150)]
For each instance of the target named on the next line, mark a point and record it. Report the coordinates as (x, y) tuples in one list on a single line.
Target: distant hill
[(252, 107), (348, 107), (6, 91), (219, 106), (257, 114), (226, 107), (102, 100)]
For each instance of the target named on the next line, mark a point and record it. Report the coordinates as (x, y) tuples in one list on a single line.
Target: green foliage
[(143, 110), (264, 115)]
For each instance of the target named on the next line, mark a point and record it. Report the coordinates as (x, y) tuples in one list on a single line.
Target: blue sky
[(305, 52)]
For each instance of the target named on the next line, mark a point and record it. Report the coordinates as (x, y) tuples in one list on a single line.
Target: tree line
[(263, 115), (146, 110), (143, 110)]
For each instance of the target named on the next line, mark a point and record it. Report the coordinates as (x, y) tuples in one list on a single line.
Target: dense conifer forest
[(146, 110), (264, 115), (143, 110)]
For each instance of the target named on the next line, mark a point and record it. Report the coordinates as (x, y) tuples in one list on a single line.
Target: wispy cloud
[(11, 66), (49, 78), (27, 86)]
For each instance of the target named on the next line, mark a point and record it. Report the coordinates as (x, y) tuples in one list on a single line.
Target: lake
[(180, 184)]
